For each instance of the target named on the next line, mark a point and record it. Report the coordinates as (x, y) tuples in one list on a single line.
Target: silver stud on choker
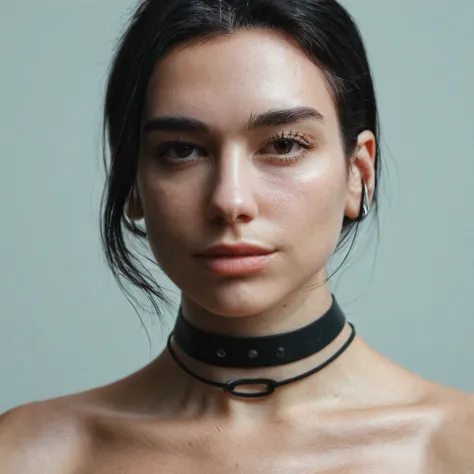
[(253, 353)]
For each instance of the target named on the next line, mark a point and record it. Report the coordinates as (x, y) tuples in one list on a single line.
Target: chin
[(240, 299)]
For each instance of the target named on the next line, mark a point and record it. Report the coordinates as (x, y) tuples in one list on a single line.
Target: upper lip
[(235, 249)]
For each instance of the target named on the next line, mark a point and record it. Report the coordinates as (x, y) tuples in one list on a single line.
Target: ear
[(361, 171), (134, 208)]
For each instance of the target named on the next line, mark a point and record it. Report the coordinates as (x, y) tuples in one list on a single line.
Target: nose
[(232, 191)]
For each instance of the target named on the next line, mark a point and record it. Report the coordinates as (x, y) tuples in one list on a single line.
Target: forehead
[(224, 80)]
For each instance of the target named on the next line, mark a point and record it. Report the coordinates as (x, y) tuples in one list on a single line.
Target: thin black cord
[(271, 384)]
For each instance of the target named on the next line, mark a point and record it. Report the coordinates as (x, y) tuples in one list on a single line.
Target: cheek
[(311, 223), (311, 204), (168, 212)]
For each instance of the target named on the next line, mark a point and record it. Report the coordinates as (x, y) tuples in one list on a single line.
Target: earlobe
[(134, 209)]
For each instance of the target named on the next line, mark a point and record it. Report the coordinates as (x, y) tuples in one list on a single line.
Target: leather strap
[(263, 351)]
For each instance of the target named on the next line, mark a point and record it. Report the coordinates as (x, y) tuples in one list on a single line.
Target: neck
[(289, 316)]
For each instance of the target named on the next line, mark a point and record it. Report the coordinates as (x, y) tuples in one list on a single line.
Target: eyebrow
[(271, 118)]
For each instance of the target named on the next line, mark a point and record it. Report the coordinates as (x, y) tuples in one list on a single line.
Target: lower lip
[(238, 265)]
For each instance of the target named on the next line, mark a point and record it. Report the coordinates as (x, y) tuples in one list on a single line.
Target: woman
[(245, 135)]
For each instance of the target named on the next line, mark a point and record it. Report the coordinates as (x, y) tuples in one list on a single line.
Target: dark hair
[(322, 28)]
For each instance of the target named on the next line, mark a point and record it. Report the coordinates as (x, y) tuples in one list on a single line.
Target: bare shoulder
[(453, 445), (67, 435), (38, 437)]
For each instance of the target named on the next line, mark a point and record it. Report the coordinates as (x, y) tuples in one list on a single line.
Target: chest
[(406, 461), (267, 452)]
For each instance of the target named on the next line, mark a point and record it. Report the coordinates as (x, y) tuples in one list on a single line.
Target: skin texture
[(361, 414)]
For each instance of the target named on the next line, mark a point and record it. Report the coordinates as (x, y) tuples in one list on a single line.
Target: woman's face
[(281, 183)]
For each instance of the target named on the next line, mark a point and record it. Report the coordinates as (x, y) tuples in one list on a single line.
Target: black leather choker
[(263, 351)]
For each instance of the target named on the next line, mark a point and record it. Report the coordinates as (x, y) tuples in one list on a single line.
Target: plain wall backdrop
[(64, 324)]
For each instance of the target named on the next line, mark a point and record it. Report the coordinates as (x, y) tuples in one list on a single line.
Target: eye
[(182, 150), (287, 147), (178, 151), (284, 146)]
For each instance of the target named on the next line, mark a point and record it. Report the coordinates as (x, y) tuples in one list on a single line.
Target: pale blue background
[(64, 325)]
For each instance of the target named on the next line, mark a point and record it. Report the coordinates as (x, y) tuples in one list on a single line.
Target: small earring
[(364, 205)]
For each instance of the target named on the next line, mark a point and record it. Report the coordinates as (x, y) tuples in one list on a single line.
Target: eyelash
[(294, 137)]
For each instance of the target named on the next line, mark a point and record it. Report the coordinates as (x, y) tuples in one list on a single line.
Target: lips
[(235, 250), (237, 260)]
